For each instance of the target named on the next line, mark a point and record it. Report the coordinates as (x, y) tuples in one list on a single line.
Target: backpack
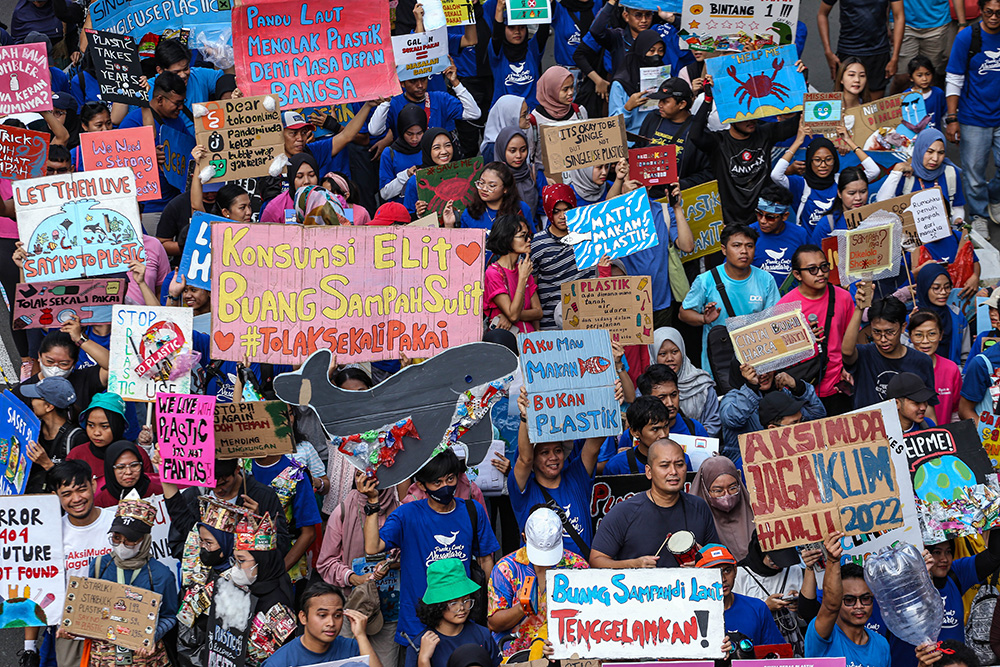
[(977, 628), (720, 348), (975, 44)]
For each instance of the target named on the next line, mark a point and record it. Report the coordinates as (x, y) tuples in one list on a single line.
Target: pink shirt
[(274, 211), (8, 226), (504, 281), (843, 305), (947, 384), (157, 268)]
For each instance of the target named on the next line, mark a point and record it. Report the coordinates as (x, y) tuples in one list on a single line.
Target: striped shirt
[(554, 264)]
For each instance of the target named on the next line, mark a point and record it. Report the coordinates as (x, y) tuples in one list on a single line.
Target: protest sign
[(621, 305), (22, 153), (454, 182), (458, 12), (658, 613), (609, 490), (78, 225), (25, 80), (529, 12), (650, 79), (757, 84), (243, 137), (33, 573), (10, 358), (791, 662), (882, 125), (185, 431), (673, 6), (822, 112), (929, 215), (209, 19), (703, 211), (366, 293), (252, 429), (19, 427), (616, 227), (117, 68), (430, 220), (177, 147), (570, 377), (656, 165), (159, 534), (900, 206), (741, 25), (772, 339), (196, 260), (868, 250), (434, 17), (150, 352), (421, 53), (119, 613), (225, 645), (307, 55), (698, 448), (131, 148), (51, 304), (585, 143)]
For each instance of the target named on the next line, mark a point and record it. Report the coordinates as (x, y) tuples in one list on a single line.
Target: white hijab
[(691, 382), (505, 113)]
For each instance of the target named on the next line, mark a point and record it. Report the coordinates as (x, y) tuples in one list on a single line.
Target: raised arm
[(525, 451), (833, 589)]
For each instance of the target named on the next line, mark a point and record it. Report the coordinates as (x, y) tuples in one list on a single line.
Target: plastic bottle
[(909, 602)]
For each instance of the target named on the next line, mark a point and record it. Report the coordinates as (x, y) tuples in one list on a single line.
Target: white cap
[(543, 533)]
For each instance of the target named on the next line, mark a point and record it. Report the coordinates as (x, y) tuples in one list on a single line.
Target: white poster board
[(143, 337), (929, 215), (698, 448), (32, 570), (421, 53)]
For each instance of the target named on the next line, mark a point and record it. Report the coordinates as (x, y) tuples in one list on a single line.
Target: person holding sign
[(852, 193), (926, 169), (436, 147), (123, 474), (625, 97), (105, 422), (933, 289), (924, 329), (671, 125), (510, 298), (515, 57), (401, 159), (50, 400)]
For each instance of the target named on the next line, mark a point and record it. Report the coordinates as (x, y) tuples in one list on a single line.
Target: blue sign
[(177, 147), (207, 22), (617, 228), (20, 426), (196, 262), (757, 84)]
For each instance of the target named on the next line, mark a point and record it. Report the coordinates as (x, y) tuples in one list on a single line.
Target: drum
[(683, 547)]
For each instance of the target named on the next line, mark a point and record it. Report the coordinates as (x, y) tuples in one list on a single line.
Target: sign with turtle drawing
[(757, 84), (452, 182), (78, 225)]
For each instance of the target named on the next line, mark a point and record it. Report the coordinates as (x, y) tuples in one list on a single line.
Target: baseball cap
[(293, 120), (713, 555), (63, 101), (994, 299), (55, 390), (909, 385), (776, 405), (543, 536), (674, 87), (390, 213)]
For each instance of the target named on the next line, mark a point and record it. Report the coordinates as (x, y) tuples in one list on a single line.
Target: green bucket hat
[(106, 401), (446, 580)]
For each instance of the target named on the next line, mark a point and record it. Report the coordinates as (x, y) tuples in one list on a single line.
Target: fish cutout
[(429, 393), (594, 365)]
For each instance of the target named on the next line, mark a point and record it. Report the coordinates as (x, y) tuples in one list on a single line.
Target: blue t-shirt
[(424, 536), (322, 150), (566, 33), (572, 494), (773, 252), (84, 88), (517, 78), (294, 654), (752, 617), (874, 653), (810, 205), (653, 261), (305, 512), (391, 163), (978, 378), (936, 105), (924, 14), (200, 88), (486, 220), (177, 140), (956, 198), (464, 58), (977, 103), (823, 227), (471, 633), (445, 110)]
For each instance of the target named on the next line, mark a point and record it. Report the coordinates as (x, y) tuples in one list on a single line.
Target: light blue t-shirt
[(924, 14), (875, 653)]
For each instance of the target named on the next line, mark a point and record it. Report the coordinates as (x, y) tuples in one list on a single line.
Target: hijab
[(506, 112), (735, 525), (226, 541), (692, 383), (927, 275), (584, 185), (468, 655), (296, 161), (627, 73), (924, 140), (272, 585), (524, 176), (111, 485), (547, 93), (409, 116), (138, 560), (514, 53), (816, 182), (428, 141)]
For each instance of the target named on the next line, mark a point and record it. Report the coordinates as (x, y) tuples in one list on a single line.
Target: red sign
[(656, 165), (22, 153)]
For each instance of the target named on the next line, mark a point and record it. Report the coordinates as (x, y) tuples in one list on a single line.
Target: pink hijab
[(547, 92)]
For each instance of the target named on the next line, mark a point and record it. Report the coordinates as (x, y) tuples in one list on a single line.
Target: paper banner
[(656, 165), (132, 148), (22, 153), (252, 429), (616, 227), (118, 613), (453, 182), (243, 137), (20, 426), (196, 260), (185, 433), (25, 80), (365, 293), (529, 12), (117, 68), (658, 613), (33, 574), (822, 112), (458, 12), (312, 54), (929, 215), (703, 210), (585, 143), (772, 339), (421, 54), (901, 206), (742, 25), (147, 346), (621, 305), (757, 84), (208, 20), (78, 225), (570, 377), (51, 304), (880, 126)]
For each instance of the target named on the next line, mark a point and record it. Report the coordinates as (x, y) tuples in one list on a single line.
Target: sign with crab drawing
[(757, 84), (742, 25), (78, 225), (452, 182)]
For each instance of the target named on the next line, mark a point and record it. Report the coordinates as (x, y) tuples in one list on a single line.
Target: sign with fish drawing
[(570, 377), (616, 227)]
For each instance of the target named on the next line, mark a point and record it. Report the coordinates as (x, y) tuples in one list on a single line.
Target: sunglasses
[(770, 217), (851, 600)]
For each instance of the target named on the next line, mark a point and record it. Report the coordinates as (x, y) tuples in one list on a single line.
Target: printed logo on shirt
[(823, 207), (882, 383), (950, 618), (447, 548), (756, 298), (573, 520), (777, 262), (574, 39), (519, 76), (992, 62), (746, 162)]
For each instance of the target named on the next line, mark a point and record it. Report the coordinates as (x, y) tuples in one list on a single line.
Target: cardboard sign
[(25, 80), (811, 479), (426, 221), (145, 344), (33, 574), (757, 84), (251, 430), (366, 293), (10, 358), (309, 54), (132, 148), (879, 126), (901, 206), (454, 182), (822, 112), (621, 305), (685, 619), (185, 431), (774, 338), (19, 427), (22, 153), (737, 25), (117, 68), (243, 137), (196, 260), (211, 20), (585, 143), (79, 225), (529, 12), (869, 250), (703, 210), (51, 304), (113, 612), (570, 377), (421, 53), (615, 227), (656, 165)]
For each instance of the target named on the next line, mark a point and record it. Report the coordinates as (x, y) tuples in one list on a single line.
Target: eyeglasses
[(522, 235), (884, 333), (929, 337), (464, 603), (730, 490), (851, 600), (483, 185), (236, 563), (989, 13), (816, 270), (822, 160), (115, 539), (122, 467), (946, 287), (770, 217)]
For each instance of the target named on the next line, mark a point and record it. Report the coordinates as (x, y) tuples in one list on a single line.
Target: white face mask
[(54, 371), (241, 577), (124, 553)]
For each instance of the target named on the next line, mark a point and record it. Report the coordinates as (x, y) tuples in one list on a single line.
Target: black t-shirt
[(693, 166), (872, 373), (175, 218), (637, 527), (86, 383), (69, 436), (863, 27)]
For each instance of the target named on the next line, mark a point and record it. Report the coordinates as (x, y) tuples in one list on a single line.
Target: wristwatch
[(82, 340), (951, 119), (371, 508)]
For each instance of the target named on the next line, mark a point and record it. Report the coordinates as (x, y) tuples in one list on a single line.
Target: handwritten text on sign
[(569, 146), (770, 343), (659, 613), (869, 250), (22, 153), (253, 429), (45, 305), (100, 609), (243, 137), (144, 344), (622, 305), (364, 293), (185, 429), (809, 480), (24, 79), (616, 227), (32, 575), (132, 148), (703, 211)]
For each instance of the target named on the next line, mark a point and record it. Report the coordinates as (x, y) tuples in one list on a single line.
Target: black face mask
[(212, 558), (652, 61)]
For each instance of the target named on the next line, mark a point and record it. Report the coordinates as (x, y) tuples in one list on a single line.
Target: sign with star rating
[(653, 166), (744, 25)]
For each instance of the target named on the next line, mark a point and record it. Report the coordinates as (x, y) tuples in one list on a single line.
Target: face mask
[(54, 372), (443, 495), (240, 577), (652, 61), (725, 503), (211, 558), (124, 553)]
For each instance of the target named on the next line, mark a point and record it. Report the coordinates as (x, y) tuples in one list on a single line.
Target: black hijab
[(111, 485), (409, 116), (428, 141), (272, 584), (515, 53), (296, 161), (585, 8), (627, 73), (814, 181)]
